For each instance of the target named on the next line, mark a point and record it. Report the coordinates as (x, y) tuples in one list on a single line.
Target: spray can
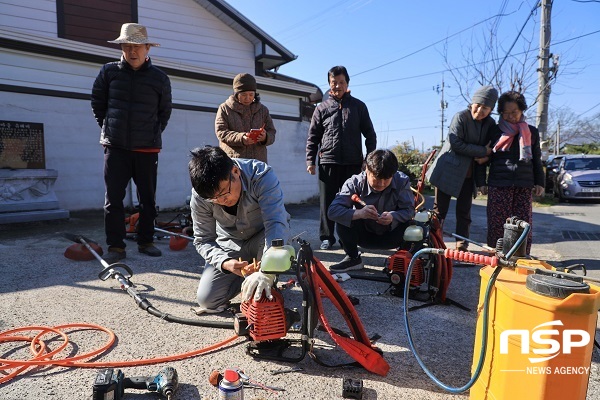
[(231, 387)]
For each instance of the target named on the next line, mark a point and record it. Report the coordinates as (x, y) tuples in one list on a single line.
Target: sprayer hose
[(483, 337)]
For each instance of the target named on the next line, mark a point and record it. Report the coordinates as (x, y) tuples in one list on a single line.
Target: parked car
[(578, 177), (551, 168)]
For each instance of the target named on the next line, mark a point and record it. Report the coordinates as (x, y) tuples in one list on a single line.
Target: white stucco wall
[(71, 147)]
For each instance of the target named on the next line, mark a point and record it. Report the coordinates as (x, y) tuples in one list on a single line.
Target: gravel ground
[(40, 287)]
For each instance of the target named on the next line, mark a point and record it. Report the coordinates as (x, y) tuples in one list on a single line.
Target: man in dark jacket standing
[(131, 101), (335, 135)]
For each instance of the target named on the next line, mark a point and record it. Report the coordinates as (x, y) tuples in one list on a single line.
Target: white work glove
[(256, 283)]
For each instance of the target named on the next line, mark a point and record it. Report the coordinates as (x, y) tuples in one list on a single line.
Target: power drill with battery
[(111, 384)]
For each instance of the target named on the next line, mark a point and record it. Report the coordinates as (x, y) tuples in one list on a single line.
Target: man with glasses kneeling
[(237, 208)]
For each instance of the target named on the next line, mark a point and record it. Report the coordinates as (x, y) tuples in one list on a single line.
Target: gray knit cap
[(244, 83), (485, 95)]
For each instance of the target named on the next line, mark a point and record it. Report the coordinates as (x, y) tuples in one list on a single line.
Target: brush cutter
[(83, 249), (121, 273), (177, 241), (109, 269)]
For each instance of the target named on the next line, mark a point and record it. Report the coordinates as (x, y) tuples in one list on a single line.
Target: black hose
[(189, 321), (144, 304)]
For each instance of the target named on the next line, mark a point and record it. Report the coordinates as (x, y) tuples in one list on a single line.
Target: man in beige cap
[(131, 101)]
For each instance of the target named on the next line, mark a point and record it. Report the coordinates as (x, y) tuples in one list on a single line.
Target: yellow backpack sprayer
[(535, 333)]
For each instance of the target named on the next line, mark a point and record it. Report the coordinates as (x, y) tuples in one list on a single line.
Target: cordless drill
[(111, 384)]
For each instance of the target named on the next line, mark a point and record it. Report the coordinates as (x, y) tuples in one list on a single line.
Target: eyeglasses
[(222, 195)]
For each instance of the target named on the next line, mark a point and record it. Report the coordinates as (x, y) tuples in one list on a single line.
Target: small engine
[(397, 265), (423, 282), (265, 319)]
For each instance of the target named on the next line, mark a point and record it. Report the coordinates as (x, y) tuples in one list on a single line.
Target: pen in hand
[(355, 198)]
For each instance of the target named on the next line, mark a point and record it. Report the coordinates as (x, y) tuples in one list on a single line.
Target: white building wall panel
[(188, 33), (33, 16), (46, 72), (279, 104)]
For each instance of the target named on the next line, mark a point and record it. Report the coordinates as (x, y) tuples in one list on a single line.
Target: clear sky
[(394, 52)]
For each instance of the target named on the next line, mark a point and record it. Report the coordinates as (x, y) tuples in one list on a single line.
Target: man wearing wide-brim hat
[(131, 101)]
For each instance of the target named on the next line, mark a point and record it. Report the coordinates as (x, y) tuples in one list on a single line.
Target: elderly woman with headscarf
[(515, 169), (455, 170), (243, 124)]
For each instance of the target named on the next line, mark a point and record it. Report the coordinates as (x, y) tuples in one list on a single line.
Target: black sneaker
[(114, 254), (347, 264), (149, 249)]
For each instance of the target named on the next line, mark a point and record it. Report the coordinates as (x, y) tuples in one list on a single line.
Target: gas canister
[(231, 387)]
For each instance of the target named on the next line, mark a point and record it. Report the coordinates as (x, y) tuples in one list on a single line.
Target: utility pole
[(557, 139), (443, 106), (544, 70)]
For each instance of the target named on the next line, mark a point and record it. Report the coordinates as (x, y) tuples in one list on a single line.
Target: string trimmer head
[(78, 251)]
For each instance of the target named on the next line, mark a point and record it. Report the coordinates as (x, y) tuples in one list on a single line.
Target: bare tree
[(589, 128), (487, 59), (573, 128)]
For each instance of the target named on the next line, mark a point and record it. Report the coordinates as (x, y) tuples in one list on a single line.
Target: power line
[(576, 37), (433, 44), (471, 65), (515, 41), (318, 14), (587, 111)]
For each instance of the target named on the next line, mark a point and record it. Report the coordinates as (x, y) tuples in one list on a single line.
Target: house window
[(94, 21)]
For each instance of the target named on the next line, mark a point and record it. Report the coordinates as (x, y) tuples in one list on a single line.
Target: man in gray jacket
[(237, 208)]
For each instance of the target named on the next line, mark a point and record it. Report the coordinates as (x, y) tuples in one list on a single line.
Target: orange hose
[(40, 357)]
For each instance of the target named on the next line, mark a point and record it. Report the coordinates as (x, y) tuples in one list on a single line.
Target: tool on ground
[(231, 386), (286, 370), (216, 378), (111, 383), (352, 388), (122, 273), (249, 383), (177, 231), (268, 322), (81, 250), (177, 241), (483, 246)]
